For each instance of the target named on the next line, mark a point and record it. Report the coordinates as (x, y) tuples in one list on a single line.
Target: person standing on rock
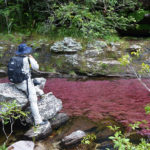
[(22, 78)]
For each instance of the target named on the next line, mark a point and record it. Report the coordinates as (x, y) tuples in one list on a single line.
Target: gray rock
[(59, 120), (92, 53), (115, 46), (72, 59), (73, 138), (68, 45), (134, 47), (39, 132), (97, 45), (8, 93), (22, 145), (49, 106)]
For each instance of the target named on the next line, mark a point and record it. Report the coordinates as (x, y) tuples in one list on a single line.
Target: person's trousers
[(30, 91)]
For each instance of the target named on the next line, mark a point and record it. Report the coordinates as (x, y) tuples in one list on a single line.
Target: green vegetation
[(88, 139), (55, 18), (10, 112), (122, 142)]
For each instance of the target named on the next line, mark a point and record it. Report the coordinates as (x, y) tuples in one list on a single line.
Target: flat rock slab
[(22, 145), (39, 132)]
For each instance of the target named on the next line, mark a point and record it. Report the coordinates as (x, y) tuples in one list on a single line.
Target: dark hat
[(23, 49)]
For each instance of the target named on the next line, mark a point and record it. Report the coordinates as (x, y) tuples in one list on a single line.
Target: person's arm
[(33, 62)]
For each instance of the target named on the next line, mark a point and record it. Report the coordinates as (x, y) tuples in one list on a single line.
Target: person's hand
[(30, 56)]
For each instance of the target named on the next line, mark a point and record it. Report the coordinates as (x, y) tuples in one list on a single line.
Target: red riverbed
[(123, 99)]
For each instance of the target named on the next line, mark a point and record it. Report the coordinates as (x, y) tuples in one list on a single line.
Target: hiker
[(22, 78)]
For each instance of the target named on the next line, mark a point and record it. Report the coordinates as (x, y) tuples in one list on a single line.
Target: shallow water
[(121, 99)]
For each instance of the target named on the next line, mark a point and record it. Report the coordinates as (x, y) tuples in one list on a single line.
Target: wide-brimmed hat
[(23, 49)]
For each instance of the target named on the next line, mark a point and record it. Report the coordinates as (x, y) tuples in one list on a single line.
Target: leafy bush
[(10, 112), (80, 18), (122, 142)]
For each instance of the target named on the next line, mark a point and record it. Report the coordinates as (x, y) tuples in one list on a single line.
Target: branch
[(139, 78)]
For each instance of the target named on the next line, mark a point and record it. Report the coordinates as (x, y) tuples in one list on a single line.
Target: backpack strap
[(27, 79)]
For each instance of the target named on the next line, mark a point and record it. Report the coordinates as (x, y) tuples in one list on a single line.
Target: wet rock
[(39, 132), (49, 106), (22, 145), (73, 138), (59, 120), (68, 45)]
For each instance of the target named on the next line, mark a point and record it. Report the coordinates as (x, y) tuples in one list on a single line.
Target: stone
[(114, 46), (73, 138), (22, 145), (135, 47), (68, 45), (72, 59), (8, 93), (92, 53), (49, 106), (59, 120), (39, 132), (100, 45)]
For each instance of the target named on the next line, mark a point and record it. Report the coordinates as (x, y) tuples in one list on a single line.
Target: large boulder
[(49, 105), (68, 45)]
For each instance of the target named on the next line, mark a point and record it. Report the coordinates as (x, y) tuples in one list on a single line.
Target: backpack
[(15, 73)]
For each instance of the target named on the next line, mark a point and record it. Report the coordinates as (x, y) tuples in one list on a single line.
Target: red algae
[(123, 99)]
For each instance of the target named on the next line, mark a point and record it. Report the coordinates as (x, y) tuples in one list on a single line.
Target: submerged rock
[(68, 45), (39, 132), (73, 138), (22, 145)]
